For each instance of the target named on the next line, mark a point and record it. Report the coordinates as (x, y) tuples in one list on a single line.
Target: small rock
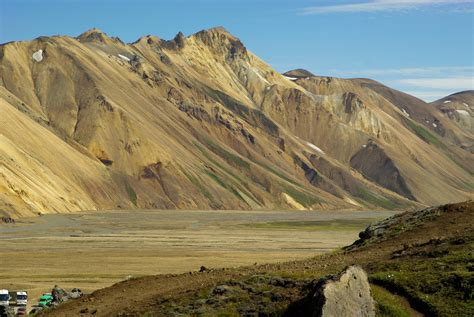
[(200, 311), (221, 289), (276, 297), (211, 301), (459, 241), (277, 281)]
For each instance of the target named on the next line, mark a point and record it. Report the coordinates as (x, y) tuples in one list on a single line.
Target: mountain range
[(200, 122)]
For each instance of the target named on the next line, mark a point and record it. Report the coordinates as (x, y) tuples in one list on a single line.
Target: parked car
[(21, 311), (45, 300), (35, 309), (3, 311)]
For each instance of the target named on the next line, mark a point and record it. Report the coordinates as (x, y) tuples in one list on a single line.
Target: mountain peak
[(218, 31), (93, 35), (148, 39), (299, 73), (220, 40), (179, 39)]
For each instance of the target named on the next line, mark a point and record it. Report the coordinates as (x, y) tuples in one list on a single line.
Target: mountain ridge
[(200, 122)]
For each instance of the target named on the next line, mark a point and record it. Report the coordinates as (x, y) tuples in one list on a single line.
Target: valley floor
[(95, 250), (422, 258)]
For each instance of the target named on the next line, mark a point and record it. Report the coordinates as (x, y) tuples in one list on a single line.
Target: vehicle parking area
[(17, 303)]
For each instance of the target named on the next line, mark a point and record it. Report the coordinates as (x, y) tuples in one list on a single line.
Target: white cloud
[(429, 95), (427, 83), (458, 83), (412, 71), (380, 5)]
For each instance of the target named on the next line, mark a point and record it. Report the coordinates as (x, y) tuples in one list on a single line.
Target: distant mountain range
[(199, 122)]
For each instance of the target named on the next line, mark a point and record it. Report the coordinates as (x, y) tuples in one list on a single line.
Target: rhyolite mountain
[(199, 122)]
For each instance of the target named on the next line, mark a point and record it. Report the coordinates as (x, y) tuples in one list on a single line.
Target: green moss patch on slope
[(304, 198), (388, 304), (224, 184), (199, 185), (132, 195), (375, 199), (227, 155), (423, 133)]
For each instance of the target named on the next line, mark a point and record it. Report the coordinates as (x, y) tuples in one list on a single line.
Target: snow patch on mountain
[(463, 112), (38, 55), (290, 78), (125, 58), (314, 147)]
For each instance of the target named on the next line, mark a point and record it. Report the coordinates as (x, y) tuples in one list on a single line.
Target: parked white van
[(4, 298), (21, 298)]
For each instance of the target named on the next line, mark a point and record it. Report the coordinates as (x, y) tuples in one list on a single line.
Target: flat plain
[(95, 250)]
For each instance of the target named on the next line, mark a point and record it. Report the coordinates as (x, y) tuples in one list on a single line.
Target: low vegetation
[(388, 304), (224, 184), (329, 225), (439, 282), (199, 184), (227, 155), (376, 199), (424, 134), (305, 199), (132, 195)]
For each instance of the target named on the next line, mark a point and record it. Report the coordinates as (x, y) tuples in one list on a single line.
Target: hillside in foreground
[(199, 122), (419, 263)]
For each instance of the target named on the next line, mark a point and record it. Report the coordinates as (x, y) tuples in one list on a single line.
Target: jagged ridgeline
[(200, 122)]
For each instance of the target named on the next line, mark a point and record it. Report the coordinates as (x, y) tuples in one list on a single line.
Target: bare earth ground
[(95, 250)]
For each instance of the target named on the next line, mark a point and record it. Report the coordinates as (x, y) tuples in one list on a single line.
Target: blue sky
[(423, 47)]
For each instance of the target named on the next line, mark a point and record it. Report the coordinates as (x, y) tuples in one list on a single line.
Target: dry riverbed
[(95, 250)]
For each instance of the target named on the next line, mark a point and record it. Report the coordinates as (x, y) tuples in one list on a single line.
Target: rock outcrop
[(376, 165), (347, 294), (400, 223)]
